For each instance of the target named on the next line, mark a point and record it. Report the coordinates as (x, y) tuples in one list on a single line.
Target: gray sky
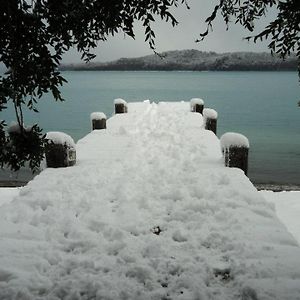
[(191, 23)]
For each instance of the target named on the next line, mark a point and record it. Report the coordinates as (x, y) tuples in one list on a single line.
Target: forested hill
[(194, 60)]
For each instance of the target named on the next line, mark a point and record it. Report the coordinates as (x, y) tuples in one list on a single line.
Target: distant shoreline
[(192, 60), (200, 71), (277, 187), (11, 184)]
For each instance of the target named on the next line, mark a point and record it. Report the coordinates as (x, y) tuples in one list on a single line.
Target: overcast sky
[(183, 36)]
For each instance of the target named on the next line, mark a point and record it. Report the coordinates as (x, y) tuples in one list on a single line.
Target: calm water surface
[(260, 105)]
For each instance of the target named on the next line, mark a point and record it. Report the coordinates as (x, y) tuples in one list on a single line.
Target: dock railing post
[(98, 120), (60, 150), (120, 106), (210, 119), (235, 148), (197, 105)]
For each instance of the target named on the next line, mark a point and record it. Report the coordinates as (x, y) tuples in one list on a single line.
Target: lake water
[(260, 105)]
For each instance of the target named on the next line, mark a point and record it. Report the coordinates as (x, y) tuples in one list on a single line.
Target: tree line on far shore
[(194, 60)]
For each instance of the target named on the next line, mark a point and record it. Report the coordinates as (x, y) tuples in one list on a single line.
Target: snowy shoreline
[(274, 187)]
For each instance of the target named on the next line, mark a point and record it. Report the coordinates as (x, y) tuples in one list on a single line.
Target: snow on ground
[(8, 194), (287, 205), (148, 212)]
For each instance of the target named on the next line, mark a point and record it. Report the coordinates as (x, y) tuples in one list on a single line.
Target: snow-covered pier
[(149, 211)]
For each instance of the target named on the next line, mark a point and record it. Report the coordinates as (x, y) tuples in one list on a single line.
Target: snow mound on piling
[(230, 139), (97, 116), (120, 101), (60, 138), (195, 101), (209, 113)]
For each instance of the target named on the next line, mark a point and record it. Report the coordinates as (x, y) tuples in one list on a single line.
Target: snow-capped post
[(235, 148), (98, 120), (120, 106), (60, 150), (210, 119), (197, 105)]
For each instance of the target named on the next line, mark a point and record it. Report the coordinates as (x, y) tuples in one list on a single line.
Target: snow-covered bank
[(287, 205), (8, 194), (148, 212)]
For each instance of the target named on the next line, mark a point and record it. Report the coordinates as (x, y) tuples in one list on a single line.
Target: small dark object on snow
[(224, 274), (156, 230)]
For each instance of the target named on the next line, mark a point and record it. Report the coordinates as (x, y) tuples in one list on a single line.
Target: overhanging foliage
[(283, 32), (34, 36)]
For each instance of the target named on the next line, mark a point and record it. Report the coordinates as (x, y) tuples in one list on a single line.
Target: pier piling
[(98, 120), (120, 106), (60, 150), (197, 105), (235, 148), (210, 119)]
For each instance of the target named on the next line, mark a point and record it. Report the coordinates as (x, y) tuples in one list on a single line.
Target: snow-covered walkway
[(148, 212)]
